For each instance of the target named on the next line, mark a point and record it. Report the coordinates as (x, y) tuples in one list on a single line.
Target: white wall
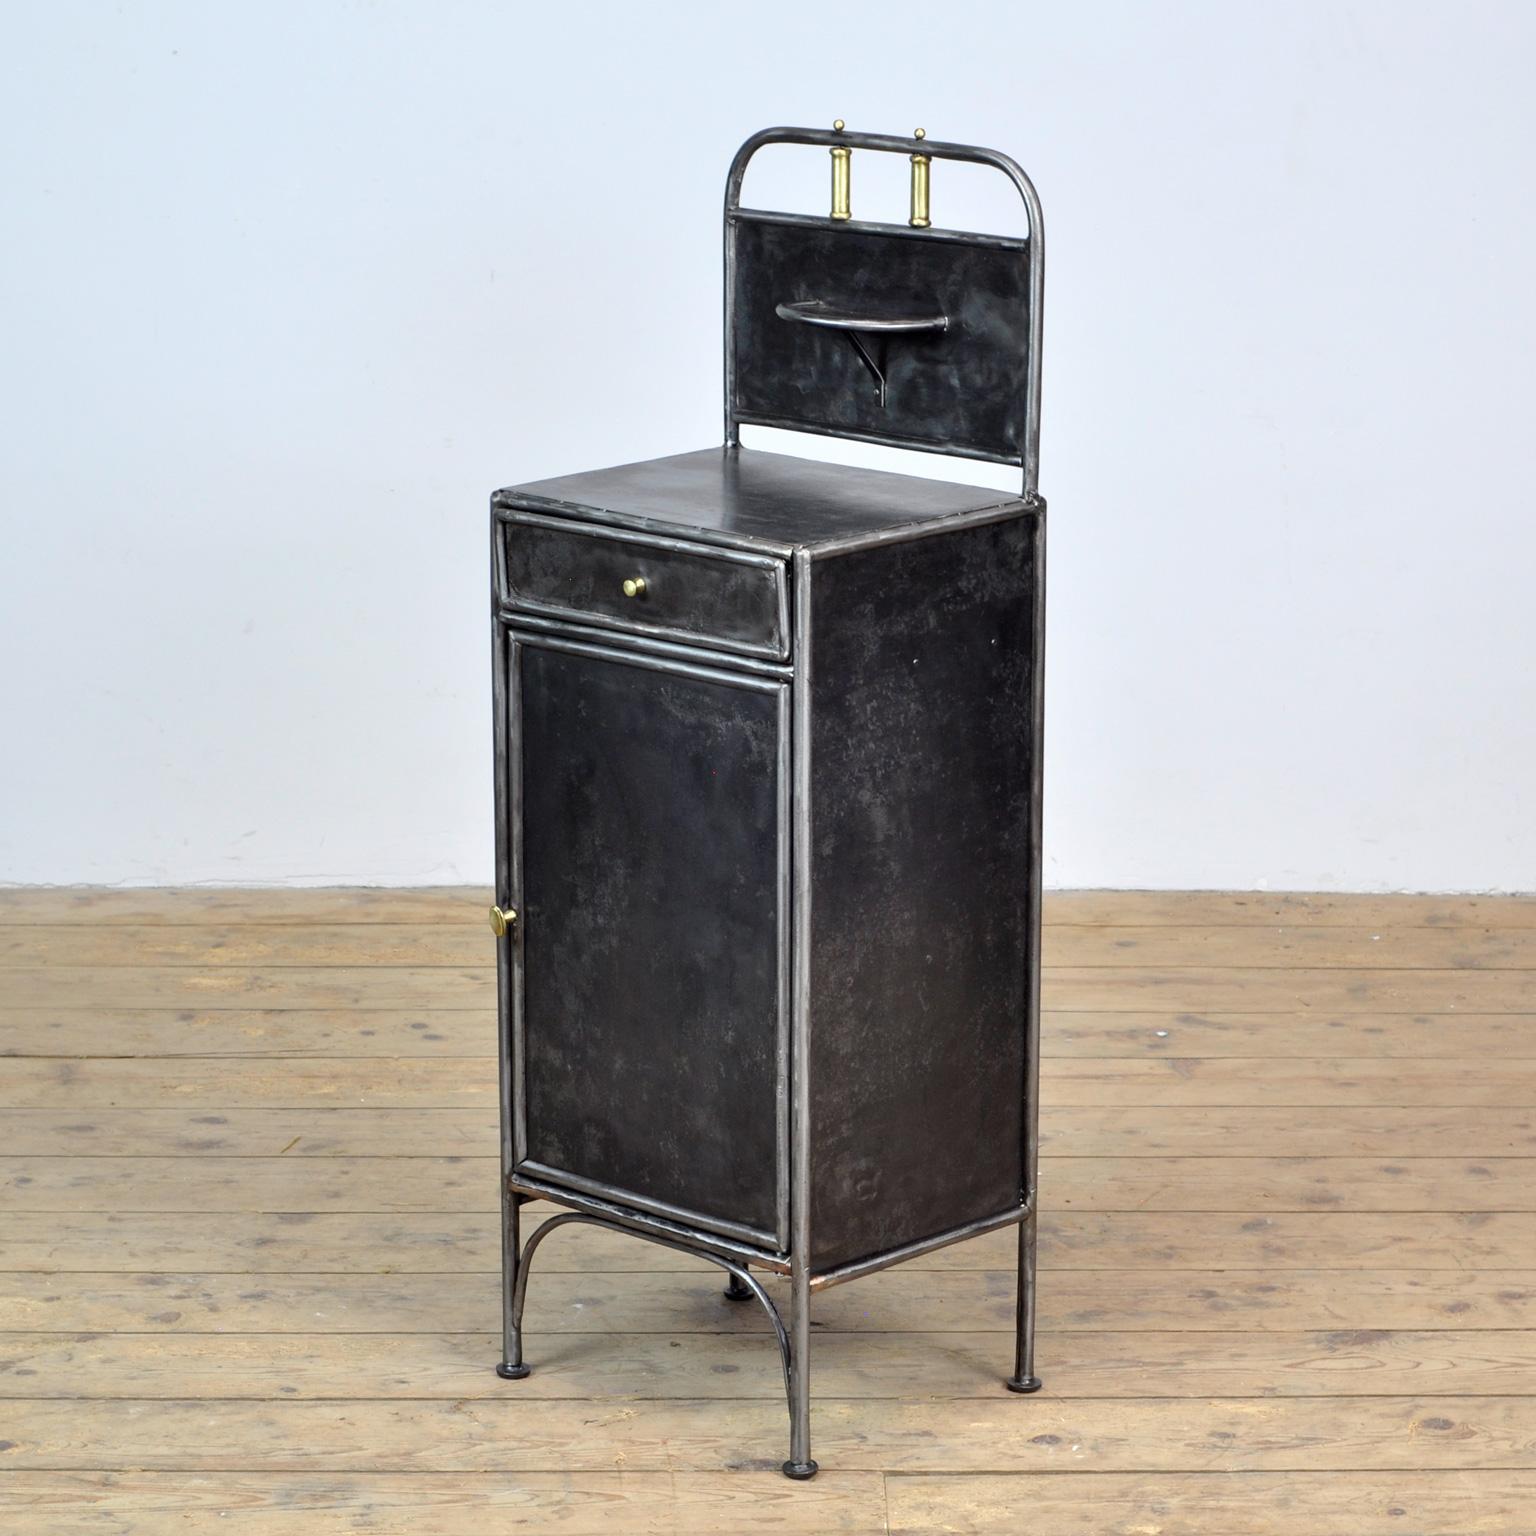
[(288, 288)]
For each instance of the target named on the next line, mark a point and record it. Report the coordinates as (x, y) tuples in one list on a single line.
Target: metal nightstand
[(768, 769)]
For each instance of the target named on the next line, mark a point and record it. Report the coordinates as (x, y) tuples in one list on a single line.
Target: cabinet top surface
[(759, 500)]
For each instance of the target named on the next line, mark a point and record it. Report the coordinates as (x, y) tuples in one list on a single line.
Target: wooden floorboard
[(248, 1245), (95, 905), (1363, 1502), (952, 1435), (1082, 1130), (410, 1503), (469, 944), (329, 1242), (1188, 988), (604, 1364), (110, 1032), (623, 1300), (398, 1185), (214, 1083)]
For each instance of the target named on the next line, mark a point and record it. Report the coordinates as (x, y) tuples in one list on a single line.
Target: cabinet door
[(648, 831)]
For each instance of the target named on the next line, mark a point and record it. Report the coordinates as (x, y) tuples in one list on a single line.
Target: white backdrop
[(289, 288)]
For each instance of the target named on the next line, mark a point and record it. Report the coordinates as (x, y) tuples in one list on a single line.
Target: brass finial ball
[(837, 127), (922, 133)]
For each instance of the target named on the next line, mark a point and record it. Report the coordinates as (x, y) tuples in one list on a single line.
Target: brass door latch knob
[(502, 920), (634, 586)]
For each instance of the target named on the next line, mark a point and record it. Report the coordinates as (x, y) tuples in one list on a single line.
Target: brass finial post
[(920, 164), (842, 177)]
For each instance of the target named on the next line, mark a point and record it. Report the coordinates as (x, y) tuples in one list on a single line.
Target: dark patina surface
[(768, 787), (953, 388), (573, 571), (920, 771), (749, 498), (650, 860)]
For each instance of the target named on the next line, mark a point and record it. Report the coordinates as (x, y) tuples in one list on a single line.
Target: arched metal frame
[(1034, 255), (738, 1272)]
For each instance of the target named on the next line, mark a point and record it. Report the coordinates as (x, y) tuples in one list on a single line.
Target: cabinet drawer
[(645, 584)]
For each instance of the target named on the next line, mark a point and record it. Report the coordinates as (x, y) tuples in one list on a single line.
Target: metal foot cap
[(800, 1470), (1023, 1383), (732, 1294), (512, 1372)]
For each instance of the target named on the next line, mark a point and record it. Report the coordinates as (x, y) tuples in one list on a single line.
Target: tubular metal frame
[(616, 1210), (1034, 255), (743, 1284), (800, 1464)]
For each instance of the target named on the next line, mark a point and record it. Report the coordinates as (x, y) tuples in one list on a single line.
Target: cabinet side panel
[(920, 845)]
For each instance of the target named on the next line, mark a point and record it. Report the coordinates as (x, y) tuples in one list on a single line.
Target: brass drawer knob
[(502, 919), (634, 586)]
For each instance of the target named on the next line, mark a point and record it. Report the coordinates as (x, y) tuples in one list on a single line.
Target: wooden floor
[(248, 1238)]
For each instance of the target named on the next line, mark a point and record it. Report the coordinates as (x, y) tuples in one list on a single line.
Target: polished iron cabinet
[(768, 738)]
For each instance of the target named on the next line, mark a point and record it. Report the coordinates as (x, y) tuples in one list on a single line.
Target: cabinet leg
[(736, 1291), (511, 1367), (1024, 1378), (800, 1466)]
